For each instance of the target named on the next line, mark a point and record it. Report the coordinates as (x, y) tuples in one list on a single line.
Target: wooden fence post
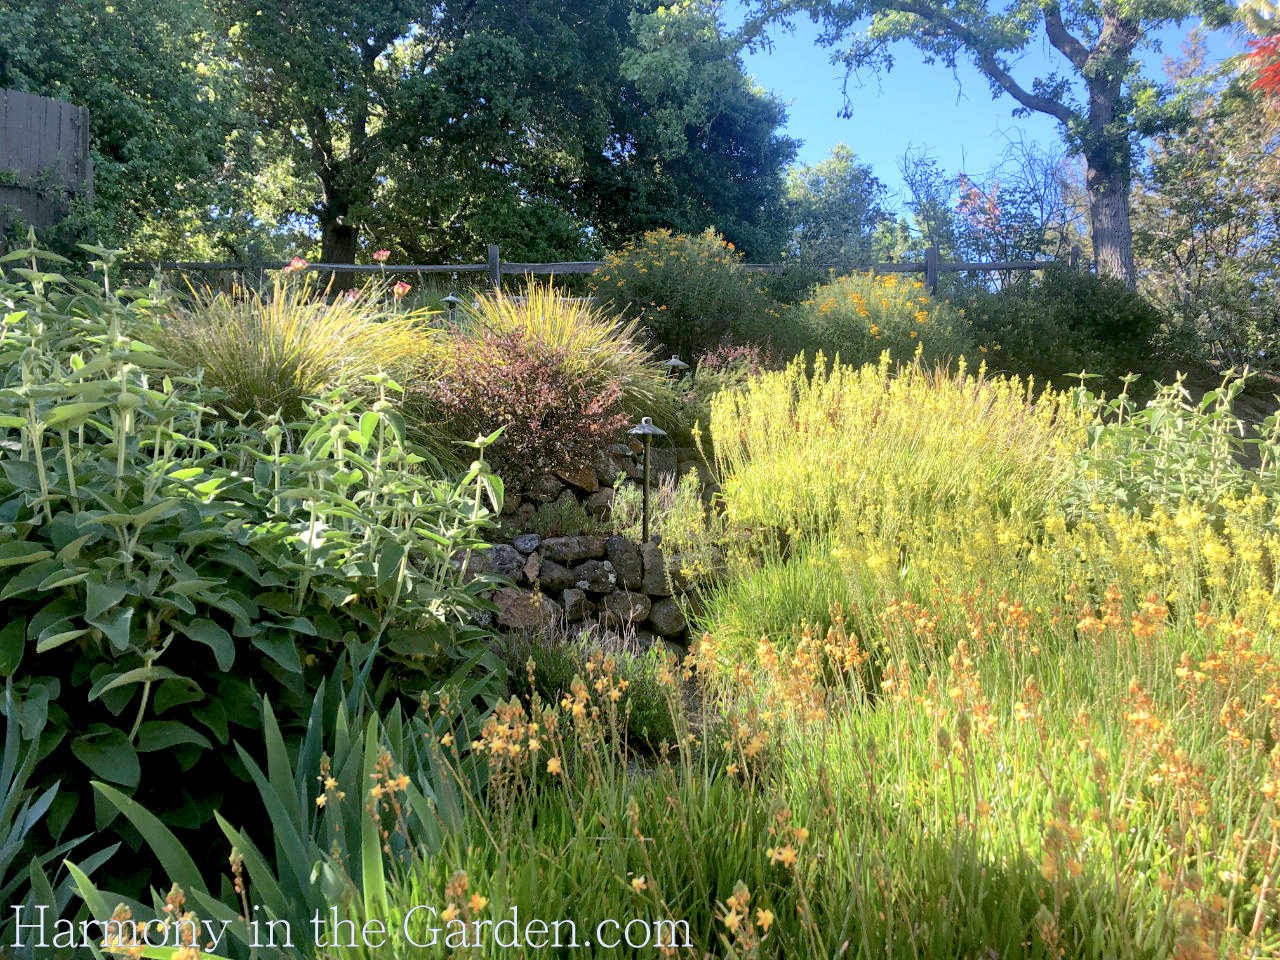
[(495, 267), (1074, 260), (931, 269)]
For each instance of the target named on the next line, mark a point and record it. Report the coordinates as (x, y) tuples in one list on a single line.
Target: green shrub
[(1175, 449), (793, 283), (164, 573), (860, 316), (1063, 323), (690, 293), (268, 351)]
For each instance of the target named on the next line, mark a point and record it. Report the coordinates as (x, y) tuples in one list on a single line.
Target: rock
[(625, 558), (510, 502), (655, 571), (634, 468), (674, 650), (619, 450), (644, 639), (478, 563), (525, 609), (626, 607), (685, 455), (545, 489), (526, 542), (636, 447), (570, 550), (667, 619), (576, 604), (552, 576), (598, 576), (532, 567), (607, 468), (600, 503), (507, 560), (662, 464), (583, 477), (524, 514)]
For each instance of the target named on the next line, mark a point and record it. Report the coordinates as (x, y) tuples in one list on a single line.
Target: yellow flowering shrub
[(868, 448), (861, 315), (690, 292)]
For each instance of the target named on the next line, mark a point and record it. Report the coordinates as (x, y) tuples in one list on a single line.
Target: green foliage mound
[(690, 292), (164, 572), (1065, 322)]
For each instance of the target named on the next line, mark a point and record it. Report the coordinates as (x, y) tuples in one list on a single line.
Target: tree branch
[(1070, 47), (986, 60)]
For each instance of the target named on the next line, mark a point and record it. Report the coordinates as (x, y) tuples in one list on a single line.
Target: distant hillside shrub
[(1064, 322)]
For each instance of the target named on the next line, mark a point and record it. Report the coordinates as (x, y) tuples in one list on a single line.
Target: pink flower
[(381, 256), (400, 289), (297, 263), (353, 294)]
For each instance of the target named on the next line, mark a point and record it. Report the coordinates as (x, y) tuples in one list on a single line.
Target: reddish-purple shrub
[(747, 359), (554, 416)]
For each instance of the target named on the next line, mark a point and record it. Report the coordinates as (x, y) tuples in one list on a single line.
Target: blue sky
[(914, 105)]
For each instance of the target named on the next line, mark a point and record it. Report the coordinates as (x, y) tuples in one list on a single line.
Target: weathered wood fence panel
[(44, 157), (496, 268)]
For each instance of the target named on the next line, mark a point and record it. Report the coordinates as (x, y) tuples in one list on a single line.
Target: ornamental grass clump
[(562, 376), (269, 351), (597, 347), (860, 316)]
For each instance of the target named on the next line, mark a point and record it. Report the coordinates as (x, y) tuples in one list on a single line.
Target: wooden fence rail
[(496, 268)]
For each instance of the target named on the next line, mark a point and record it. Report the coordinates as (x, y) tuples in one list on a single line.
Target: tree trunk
[(1108, 185), (338, 245), (338, 241)]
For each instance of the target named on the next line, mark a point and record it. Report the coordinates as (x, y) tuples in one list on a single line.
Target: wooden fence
[(44, 157), (496, 268)]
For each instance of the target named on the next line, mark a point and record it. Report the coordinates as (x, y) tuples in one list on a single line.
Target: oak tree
[(1100, 98)]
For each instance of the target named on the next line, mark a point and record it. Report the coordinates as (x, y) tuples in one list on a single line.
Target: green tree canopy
[(163, 115), (836, 207), (694, 142)]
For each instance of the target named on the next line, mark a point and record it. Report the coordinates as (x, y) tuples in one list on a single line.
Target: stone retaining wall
[(624, 586)]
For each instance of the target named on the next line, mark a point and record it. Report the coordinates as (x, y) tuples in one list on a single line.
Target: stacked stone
[(592, 484), (622, 585)]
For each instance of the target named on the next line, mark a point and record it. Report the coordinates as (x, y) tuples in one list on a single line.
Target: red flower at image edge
[(1265, 56)]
